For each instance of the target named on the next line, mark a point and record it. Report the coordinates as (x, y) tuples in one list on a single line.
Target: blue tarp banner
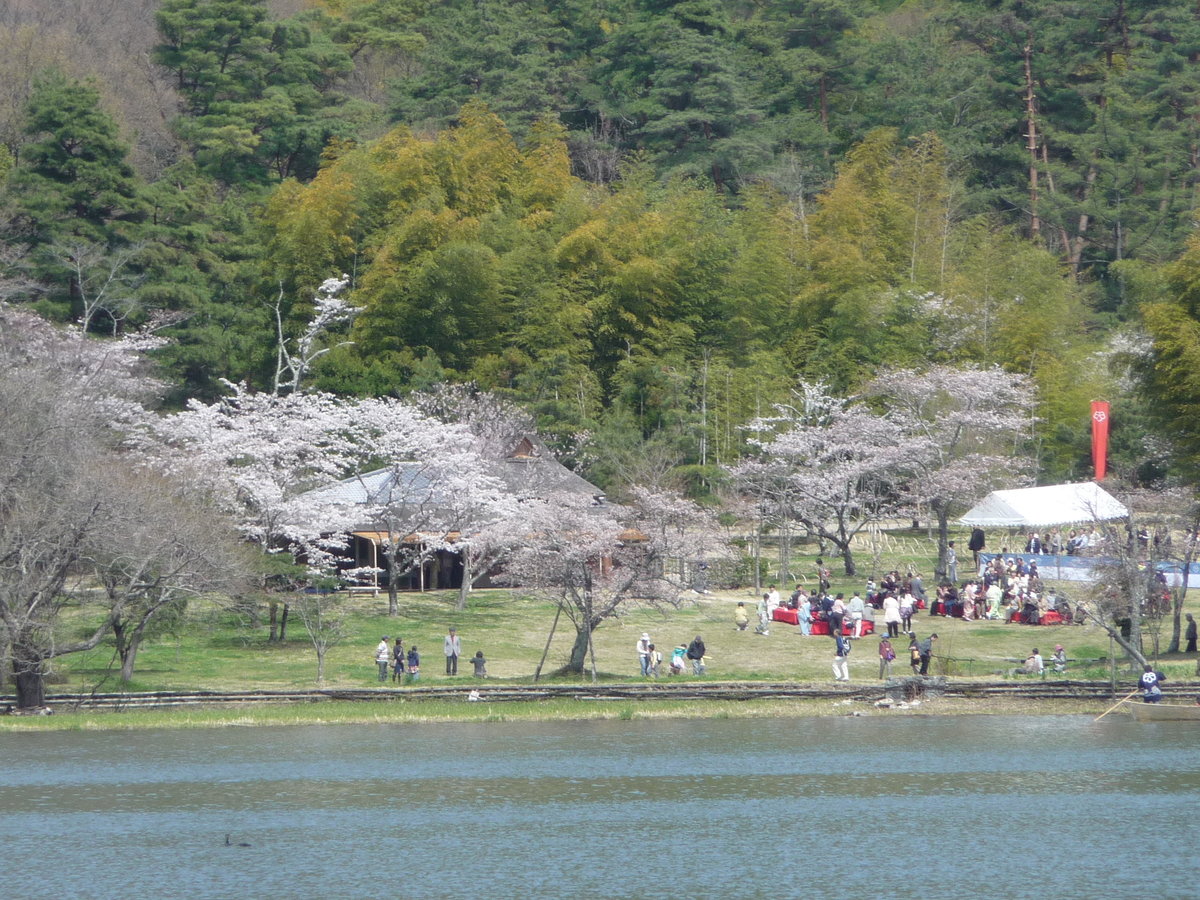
[(1080, 568)]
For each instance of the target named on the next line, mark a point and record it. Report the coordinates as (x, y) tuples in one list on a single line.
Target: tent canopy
[(1056, 504)]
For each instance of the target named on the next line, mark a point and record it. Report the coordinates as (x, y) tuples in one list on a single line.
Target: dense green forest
[(646, 221)]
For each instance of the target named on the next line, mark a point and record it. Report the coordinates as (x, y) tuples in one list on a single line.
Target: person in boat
[(1150, 683)]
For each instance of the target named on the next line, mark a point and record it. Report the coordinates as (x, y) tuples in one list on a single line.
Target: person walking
[(452, 647), (383, 656), (906, 612), (926, 652), (841, 665), (695, 652), (1190, 635), (886, 655)]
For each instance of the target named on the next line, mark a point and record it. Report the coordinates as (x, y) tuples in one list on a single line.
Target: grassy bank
[(405, 712), (215, 649)]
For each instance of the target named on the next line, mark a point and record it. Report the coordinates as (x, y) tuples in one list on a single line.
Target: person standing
[(398, 661), (856, 608), (383, 656), (841, 665), (452, 647), (906, 612), (886, 654), (414, 664), (837, 614), (804, 617), (891, 614), (976, 544), (1190, 635), (951, 564), (695, 652), (914, 654), (654, 667), (764, 616), (927, 652), (643, 653), (1150, 684)]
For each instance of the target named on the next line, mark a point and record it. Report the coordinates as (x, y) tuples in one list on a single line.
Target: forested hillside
[(646, 221)]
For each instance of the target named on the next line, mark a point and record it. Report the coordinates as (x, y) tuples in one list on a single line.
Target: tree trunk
[(1035, 222), (579, 651), (283, 623), (274, 620), (130, 656), (942, 510), (465, 587), (847, 558), (29, 673), (320, 663)]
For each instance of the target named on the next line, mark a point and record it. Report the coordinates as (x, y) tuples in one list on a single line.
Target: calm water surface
[(871, 807)]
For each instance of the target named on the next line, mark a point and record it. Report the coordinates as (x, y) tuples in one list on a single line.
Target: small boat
[(1163, 712)]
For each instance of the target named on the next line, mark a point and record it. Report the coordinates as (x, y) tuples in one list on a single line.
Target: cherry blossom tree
[(964, 432), (65, 479), (292, 363), (835, 474), (597, 561)]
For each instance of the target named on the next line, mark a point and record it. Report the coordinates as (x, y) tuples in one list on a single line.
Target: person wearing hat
[(453, 649), (643, 652), (383, 656), (1059, 658)]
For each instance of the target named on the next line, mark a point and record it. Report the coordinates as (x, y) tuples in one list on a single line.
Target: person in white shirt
[(856, 608), (383, 656)]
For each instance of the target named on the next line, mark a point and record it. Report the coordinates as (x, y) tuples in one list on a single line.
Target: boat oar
[(1115, 705)]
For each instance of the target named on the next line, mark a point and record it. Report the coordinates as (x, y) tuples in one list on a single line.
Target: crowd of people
[(684, 656), (405, 663)]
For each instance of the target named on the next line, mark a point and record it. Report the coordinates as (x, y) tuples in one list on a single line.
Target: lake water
[(870, 807)]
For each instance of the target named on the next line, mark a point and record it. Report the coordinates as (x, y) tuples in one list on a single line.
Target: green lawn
[(216, 650)]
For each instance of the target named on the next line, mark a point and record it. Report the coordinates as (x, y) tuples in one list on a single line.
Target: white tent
[(1056, 504)]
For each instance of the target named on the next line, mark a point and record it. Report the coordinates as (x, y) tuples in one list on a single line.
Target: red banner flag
[(1099, 437)]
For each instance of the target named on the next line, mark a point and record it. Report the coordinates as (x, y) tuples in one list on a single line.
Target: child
[(914, 655), (480, 664), (414, 664), (740, 618), (654, 665), (678, 660)]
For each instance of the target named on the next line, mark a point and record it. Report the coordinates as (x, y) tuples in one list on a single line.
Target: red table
[(822, 627), (783, 614)]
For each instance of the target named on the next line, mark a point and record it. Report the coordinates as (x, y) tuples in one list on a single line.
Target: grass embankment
[(215, 650), (401, 711)]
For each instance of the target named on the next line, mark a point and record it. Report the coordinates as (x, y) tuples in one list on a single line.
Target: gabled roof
[(528, 471), (1056, 504)]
